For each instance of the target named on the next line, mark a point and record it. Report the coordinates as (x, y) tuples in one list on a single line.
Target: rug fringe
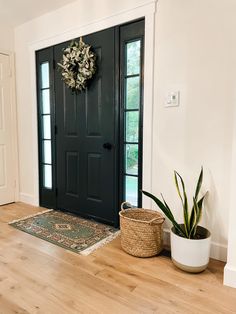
[(30, 216), (99, 244)]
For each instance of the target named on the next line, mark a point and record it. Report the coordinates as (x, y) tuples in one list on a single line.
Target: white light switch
[(172, 99)]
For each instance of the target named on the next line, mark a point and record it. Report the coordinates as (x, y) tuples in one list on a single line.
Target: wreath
[(77, 65)]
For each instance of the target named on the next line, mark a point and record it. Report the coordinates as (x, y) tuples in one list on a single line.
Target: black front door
[(86, 139), (90, 142)]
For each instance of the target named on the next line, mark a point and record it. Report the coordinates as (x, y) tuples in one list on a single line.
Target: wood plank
[(39, 277)]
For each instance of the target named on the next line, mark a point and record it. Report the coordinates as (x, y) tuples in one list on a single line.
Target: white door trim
[(148, 12), (13, 121)]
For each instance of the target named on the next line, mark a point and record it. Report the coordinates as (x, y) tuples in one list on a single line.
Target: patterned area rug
[(67, 230)]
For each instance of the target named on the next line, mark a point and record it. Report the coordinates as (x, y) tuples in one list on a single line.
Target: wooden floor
[(39, 277)]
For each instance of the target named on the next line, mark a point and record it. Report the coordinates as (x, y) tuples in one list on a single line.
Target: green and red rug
[(67, 230)]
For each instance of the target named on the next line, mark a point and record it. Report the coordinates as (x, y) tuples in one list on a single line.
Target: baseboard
[(218, 251), (28, 199), (230, 276)]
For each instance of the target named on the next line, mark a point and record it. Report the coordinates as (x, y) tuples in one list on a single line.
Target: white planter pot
[(191, 255)]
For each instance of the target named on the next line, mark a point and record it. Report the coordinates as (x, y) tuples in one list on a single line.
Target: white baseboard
[(218, 251), (28, 199), (230, 276)]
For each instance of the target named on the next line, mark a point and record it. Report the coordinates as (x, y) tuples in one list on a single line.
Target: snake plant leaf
[(159, 203), (198, 216), (176, 225), (193, 218), (200, 202), (199, 184), (166, 210), (177, 185), (184, 201), (167, 207), (198, 206)]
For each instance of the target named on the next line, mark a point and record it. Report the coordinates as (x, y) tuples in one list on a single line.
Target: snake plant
[(191, 216)]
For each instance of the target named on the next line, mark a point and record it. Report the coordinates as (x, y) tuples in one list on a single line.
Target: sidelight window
[(45, 115), (132, 104)]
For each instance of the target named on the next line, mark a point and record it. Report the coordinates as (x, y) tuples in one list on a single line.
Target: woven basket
[(141, 231)]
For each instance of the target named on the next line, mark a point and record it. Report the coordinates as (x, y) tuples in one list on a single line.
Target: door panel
[(71, 117), (86, 170), (72, 173), (94, 183), (7, 190), (93, 104), (2, 165)]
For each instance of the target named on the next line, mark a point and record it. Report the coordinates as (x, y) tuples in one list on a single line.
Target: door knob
[(107, 146)]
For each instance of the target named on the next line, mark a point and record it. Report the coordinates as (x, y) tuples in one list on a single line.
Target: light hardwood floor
[(39, 277)]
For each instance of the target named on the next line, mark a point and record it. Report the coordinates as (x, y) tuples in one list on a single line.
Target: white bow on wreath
[(78, 65)]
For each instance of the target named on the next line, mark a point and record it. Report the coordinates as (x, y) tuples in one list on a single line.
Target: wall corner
[(229, 276)]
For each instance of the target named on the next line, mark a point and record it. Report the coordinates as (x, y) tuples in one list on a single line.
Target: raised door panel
[(93, 103), (71, 114), (94, 177), (2, 166), (2, 122), (72, 174)]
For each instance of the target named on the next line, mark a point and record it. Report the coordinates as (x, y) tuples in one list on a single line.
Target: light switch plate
[(172, 99)]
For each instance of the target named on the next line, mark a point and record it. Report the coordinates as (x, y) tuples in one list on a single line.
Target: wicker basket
[(141, 231)]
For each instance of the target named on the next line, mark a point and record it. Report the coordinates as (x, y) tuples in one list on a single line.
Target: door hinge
[(54, 64), (56, 191), (55, 129)]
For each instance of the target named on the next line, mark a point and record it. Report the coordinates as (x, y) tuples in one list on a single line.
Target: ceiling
[(16, 12)]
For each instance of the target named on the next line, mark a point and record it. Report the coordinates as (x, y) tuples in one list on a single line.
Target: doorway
[(90, 143), (7, 133)]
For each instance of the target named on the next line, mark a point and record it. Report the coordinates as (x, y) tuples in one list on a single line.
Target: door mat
[(67, 230)]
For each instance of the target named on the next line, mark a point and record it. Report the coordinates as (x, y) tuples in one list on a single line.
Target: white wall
[(6, 39), (75, 15), (195, 53), (230, 268)]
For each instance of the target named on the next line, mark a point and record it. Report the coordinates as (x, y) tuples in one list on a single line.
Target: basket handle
[(125, 203), (158, 219)]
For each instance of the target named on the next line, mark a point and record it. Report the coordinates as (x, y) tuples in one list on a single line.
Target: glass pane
[(131, 159), (133, 57), (132, 97), (46, 127), (47, 176), (45, 75), (47, 152), (132, 126), (131, 190), (46, 101)]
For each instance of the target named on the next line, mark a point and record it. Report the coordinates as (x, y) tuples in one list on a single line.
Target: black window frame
[(47, 196), (131, 32)]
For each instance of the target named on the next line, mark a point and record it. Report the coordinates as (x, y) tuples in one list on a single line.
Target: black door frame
[(48, 198), (129, 36)]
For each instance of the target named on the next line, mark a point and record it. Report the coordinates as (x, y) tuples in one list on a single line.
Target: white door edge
[(13, 121)]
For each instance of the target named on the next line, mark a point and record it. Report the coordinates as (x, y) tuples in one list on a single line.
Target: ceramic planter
[(191, 255)]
